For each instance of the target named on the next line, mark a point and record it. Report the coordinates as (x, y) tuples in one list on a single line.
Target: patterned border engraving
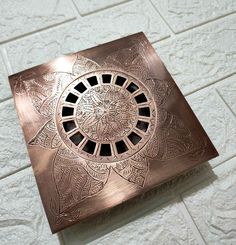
[(79, 175)]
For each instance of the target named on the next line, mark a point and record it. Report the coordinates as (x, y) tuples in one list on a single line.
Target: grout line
[(232, 115), (5, 99), (164, 20), (76, 8), (105, 8), (226, 104), (38, 31), (15, 171), (162, 39), (193, 28), (200, 239), (6, 61), (225, 160), (205, 23), (209, 84)]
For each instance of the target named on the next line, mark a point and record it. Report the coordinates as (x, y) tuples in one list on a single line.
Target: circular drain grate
[(105, 116)]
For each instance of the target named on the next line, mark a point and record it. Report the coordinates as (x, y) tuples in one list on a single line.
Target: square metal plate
[(104, 125)]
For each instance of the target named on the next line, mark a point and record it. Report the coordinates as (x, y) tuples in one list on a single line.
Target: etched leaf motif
[(83, 65), (132, 60), (65, 152), (19, 87), (98, 171), (43, 93), (134, 170), (171, 138), (162, 89), (47, 136), (77, 180)]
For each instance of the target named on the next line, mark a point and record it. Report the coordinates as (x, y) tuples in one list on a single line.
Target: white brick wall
[(197, 41)]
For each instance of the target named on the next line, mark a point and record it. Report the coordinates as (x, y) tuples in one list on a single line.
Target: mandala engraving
[(103, 118), (106, 113)]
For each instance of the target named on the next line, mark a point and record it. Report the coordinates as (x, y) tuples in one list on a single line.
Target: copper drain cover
[(104, 125)]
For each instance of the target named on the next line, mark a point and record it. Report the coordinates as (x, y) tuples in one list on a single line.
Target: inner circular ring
[(105, 116)]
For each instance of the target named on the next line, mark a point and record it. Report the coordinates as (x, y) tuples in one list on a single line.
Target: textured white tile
[(19, 17), (227, 90), (189, 13), (217, 120), (88, 6), (13, 153), (22, 218), (213, 205), (164, 225), (5, 91), (201, 56), (89, 31)]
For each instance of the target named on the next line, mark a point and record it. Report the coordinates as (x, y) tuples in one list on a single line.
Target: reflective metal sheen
[(104, 125)]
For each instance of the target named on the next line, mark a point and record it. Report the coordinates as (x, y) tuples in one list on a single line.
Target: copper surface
[(104, 125)]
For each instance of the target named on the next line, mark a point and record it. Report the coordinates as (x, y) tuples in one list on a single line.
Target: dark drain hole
[(80, 87), (67, 111), (134, 138), (76, 138), (105, 150), (69, 125), (142, 125), (89, 147), (120, 80), (132, 87), (92, 80), (106, 78), (145, 111), (121, 147), (140, 98), (71, 98)]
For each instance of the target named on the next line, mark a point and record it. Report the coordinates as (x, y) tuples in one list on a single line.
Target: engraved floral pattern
[(107, 116)]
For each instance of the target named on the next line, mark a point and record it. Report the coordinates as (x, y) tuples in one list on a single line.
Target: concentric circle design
[(106, 113), (105, 116)]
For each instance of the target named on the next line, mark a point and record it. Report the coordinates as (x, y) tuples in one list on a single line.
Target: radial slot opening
[(67, 111), (80, 87), (105, 150), (132, 87), (106, 78), (144, 111), (69, 125), (71, 98), (140, 98), (89, 147), (142, 125), (134, 138), (77, 138), (121, 147), (92, 80), (120, 80)]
